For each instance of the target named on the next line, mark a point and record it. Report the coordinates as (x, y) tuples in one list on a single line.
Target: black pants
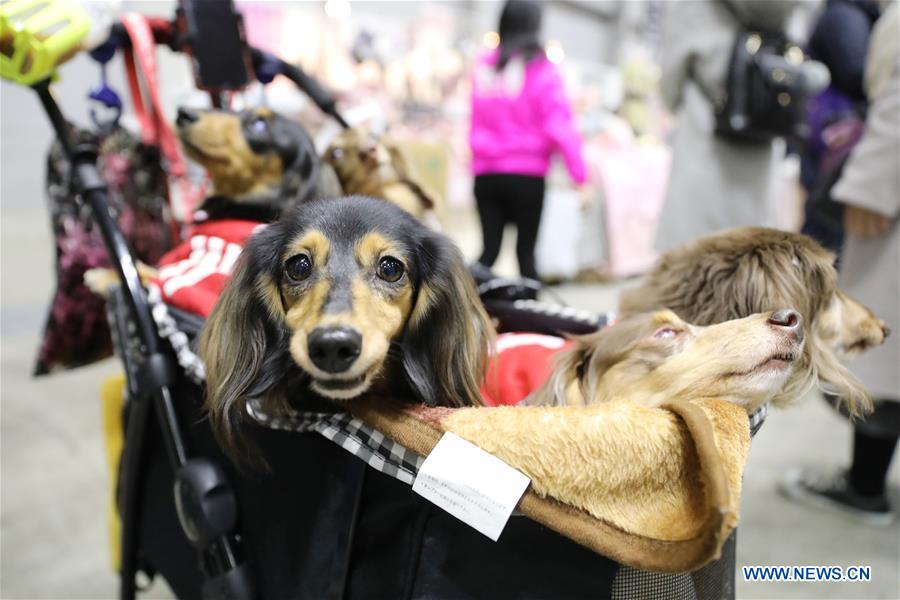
[(503, 199), (873, 449)]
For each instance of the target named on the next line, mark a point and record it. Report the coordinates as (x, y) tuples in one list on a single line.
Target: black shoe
[(481, 273), (832, 490)]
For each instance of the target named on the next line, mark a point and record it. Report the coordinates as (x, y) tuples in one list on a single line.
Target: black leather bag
[(766, 90)]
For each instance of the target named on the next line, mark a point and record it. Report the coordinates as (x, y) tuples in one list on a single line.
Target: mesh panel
[(632, 584), (715, 581)]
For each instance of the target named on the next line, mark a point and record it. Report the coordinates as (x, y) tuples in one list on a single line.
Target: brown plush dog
[(656, 357), (256, 158), (750, 270), (372, 167)]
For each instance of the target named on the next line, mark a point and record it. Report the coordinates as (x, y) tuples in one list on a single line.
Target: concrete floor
[(55, 485)]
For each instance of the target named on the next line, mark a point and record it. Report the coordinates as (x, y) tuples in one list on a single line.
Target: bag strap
[(141, 67)]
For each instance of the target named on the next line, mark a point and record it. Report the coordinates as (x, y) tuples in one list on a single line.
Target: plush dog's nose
[(185, 116), (789, 319), (333, 349)]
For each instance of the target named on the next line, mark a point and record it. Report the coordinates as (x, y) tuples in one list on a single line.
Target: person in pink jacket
[(520, 118)]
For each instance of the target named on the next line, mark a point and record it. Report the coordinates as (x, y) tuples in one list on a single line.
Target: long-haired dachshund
[(371, 166), (655, 357), (750, 270), (259, 163), (342, 297), (256, 159)]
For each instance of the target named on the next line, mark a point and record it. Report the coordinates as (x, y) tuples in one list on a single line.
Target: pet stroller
[(332, 515)]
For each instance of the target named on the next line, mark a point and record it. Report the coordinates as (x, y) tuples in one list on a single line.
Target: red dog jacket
[(192, 275), (520, 365)]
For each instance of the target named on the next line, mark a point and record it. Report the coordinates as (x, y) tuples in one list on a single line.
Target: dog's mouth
[(340, 384), (199, 154), (862, 344), (343, 388), (856, 347), (774, 363)]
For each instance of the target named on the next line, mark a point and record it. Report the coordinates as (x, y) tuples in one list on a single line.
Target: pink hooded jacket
[(516, 128)]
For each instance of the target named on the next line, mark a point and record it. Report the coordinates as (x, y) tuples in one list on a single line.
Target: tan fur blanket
[(653, 488)]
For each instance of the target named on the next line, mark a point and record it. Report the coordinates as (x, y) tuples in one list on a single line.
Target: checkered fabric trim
[(758, 418), (714, 581), (180, 342), (633, 584), (371, 445), (352, 435)]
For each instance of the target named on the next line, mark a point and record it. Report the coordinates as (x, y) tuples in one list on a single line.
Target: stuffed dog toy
[(653, 358), (257, 160), (372, 167), (749, 270), (338, 298)]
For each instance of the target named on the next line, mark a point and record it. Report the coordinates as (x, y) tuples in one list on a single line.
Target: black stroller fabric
[(318, 523)]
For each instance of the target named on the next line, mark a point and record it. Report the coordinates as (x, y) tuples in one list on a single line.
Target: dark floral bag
[(76, 332)]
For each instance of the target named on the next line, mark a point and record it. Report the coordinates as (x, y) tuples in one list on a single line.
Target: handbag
[(836, 126), (76, 331), (769, 81)]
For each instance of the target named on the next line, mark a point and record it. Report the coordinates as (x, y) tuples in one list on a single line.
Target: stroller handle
[(312, 88), (226, 574), (265, 65)]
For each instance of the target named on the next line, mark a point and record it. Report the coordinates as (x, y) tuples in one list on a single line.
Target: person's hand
[(865, 223)]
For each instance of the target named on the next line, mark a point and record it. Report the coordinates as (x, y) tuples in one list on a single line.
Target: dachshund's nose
[(185, 117), (789, 319), (885, 330), (367, 154), (334, 349)]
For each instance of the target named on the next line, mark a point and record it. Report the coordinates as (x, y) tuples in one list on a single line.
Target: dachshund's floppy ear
[(300, 162), (577, 371), (402, 168), (568, 367), (448, 335), (242, 348)]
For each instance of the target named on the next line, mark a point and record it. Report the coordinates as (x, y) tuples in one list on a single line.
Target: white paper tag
[(472, 485)]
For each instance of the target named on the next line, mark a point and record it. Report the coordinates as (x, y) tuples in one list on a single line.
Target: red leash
[(140, 66)]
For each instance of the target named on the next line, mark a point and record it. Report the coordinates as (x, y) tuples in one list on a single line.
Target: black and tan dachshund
[(340, 298), (259, 162)]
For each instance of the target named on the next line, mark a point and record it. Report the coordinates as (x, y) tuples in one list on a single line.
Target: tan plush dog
[(373, 167), (753, 269), (654, 358)]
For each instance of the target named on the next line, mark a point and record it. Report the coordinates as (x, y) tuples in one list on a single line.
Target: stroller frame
[(205, 502)]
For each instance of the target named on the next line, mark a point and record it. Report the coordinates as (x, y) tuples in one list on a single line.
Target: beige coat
[(871, 179), (714, 184)]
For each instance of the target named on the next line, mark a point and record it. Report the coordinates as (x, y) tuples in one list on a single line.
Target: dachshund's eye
[(297, 268), (390, 269), (666, 332), (337, 154), (259, 125)]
